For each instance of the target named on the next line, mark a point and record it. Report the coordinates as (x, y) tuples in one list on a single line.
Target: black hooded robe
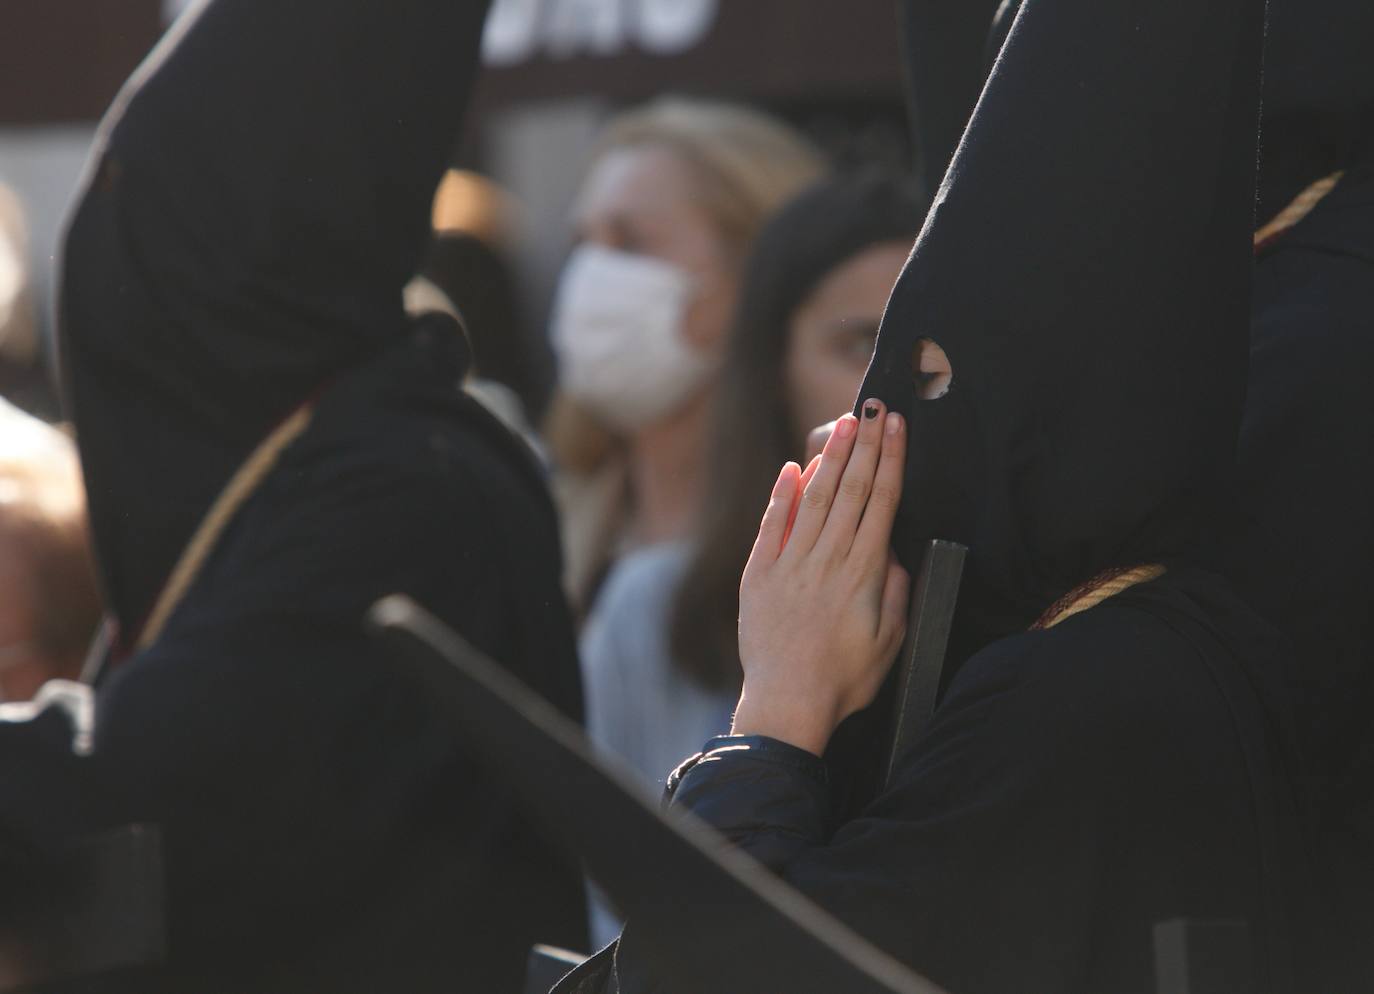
[(1298, 543), (1299, 538), (1302, 548), (1076, 787), (1086, 266), (259, 198)]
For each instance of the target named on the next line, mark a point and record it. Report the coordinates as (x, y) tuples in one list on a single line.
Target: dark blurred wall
[(64, 60)]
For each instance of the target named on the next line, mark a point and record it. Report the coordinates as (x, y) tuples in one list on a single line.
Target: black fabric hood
[(944, 43), (1318, 95), (259, 195), (1318, 111), (1086, 267)]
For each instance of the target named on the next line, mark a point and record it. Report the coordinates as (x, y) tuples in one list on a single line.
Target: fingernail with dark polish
[(870, 410)]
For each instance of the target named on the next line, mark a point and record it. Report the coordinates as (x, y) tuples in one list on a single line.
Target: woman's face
[(642, 199), (832, 333)]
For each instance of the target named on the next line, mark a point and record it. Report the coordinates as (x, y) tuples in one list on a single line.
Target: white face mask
[(617, 333)]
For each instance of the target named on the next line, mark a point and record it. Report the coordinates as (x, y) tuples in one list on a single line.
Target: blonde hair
[(748, 164)]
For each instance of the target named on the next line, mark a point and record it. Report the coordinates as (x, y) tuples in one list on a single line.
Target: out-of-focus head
[(676, 193), (49, 602), (722, 170), (18, 323), (468, 272), (813, 295), (833, 331)]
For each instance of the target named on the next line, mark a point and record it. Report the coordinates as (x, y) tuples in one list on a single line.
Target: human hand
[(823, 601), (815, 443)]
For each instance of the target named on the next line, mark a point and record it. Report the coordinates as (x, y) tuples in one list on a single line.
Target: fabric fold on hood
[(1086, 268), (944, 43), (1318, 110)]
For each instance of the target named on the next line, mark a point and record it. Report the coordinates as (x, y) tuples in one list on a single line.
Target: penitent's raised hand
[(823, 601)]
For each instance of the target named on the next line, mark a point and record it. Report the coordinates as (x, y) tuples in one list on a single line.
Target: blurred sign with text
[(518, 30)]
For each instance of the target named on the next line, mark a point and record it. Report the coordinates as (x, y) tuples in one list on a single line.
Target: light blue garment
[(639, 706)]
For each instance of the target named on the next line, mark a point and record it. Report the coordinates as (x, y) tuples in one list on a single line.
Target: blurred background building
[(556, 68)]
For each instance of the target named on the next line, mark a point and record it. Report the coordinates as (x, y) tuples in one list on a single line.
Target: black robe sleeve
[(1075, 787)]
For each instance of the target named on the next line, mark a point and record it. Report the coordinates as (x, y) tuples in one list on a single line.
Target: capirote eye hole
[(930, 369)]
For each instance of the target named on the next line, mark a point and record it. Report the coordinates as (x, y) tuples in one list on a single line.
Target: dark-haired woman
[(660, 656)]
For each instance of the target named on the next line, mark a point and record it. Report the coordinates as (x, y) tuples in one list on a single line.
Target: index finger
[(875, 530), (816, 439), (806, 476), (819, 495)]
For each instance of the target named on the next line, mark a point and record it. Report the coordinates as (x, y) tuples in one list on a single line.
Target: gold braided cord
[(1102, 587), (241, 486), (1298, 209)]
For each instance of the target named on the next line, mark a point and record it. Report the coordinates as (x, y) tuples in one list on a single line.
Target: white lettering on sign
[(512, 31), (584, 27), (667, 27), (519, 30)]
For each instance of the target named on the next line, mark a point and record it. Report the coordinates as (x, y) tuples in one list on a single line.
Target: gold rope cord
[(1297, 210), (1102, 587), (241, 486)]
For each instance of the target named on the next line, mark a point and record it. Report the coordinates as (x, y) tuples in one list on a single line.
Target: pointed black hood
[(944, 43), (1318, 95), (259, 194), (1086, 266)]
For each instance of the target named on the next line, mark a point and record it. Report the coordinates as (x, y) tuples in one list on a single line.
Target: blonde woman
[(676, 192), (663, 225)]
